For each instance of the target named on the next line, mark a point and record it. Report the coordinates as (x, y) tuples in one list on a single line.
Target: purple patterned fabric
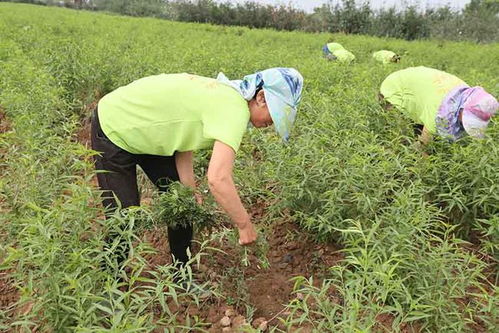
[(477, 107), (448, 124)]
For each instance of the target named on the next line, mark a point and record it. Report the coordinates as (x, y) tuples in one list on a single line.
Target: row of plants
[(419, 234), (477, 21)]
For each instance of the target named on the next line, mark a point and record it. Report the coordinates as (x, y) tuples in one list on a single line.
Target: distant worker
[(438, 102), (336, 52), (157, 122), (386, 57), (331, 47)]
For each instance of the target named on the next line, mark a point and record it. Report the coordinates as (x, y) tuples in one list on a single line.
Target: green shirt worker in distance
[(336, 51), (438, 101), (386, 57), (158, 121)]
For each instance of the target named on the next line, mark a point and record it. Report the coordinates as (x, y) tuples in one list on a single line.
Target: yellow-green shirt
[(344, 56), (384, 56), (418, 92), (165, 113), (334, 47)]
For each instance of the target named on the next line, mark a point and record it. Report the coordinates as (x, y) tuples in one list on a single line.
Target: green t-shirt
[(334, 47), (384, 56), (165, 113), (418, 92), (344, 56)]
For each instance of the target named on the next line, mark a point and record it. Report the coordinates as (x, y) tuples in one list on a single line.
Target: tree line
[(478, 21)]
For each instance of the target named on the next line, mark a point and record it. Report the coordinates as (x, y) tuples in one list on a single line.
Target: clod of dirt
[(283, 265), (288, 258), (230, 312), (260, 323), (300, 296), (268, 289), (193, 311), (238, 321), (225, 321)]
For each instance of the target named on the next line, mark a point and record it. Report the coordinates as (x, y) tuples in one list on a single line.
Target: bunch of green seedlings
[(177, 207)]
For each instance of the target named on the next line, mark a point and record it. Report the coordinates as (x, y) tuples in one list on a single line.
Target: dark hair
[(258, 88)]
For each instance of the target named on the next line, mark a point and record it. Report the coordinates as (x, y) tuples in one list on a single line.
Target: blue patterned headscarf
[(282, 88)]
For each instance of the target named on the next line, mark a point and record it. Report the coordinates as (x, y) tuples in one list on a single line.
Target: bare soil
[(291, 253), (83, 135), (5, 124), (9, 295)]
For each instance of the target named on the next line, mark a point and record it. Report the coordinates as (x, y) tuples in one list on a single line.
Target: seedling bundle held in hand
[(177, 207)]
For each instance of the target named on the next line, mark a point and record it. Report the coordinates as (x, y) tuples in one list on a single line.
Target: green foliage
[(419, 235), (153, 8), (177, 207), (478, 21)]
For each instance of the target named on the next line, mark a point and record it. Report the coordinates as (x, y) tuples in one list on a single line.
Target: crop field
[(359, 230)]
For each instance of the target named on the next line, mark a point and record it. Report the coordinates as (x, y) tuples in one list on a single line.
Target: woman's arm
[(183, 161), (184, 164), (224, 190)]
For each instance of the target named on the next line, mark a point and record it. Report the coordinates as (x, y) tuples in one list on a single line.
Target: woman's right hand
[(247, 234)]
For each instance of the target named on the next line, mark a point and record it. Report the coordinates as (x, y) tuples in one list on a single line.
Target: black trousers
[(418, 129), (121, 179)]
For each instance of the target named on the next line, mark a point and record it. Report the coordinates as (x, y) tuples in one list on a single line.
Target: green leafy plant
[(177, 207)]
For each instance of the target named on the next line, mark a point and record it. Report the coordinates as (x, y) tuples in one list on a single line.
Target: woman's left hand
[(247, 234)]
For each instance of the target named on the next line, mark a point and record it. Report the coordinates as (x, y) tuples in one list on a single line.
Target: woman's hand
[(247, 234)]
